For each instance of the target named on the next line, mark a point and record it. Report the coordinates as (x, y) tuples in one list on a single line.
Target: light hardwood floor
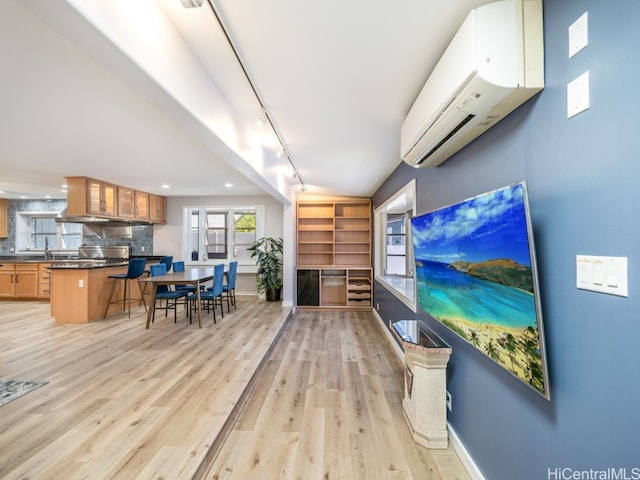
[(124, 402), (328, 406)]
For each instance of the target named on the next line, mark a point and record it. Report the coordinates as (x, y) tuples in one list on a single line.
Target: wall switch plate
[(602, 274), (579, 34), (578, 95)]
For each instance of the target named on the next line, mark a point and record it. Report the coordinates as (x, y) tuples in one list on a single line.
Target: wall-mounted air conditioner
[(493, 65)]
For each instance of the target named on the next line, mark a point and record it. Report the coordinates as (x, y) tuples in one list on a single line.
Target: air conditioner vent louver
[(467, 119), (494, 64)]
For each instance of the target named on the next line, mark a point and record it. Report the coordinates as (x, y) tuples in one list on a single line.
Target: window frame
[(402, 218), (25, 234), (402, 287), (230, 211)]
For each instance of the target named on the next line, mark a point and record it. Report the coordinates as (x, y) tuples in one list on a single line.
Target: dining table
[(191, 276)]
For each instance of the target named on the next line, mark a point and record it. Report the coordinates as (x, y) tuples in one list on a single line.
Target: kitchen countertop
[(71, 261), (33, 259), (79, 265)]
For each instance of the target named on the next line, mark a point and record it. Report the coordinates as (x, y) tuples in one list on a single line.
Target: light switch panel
[(578, 95), (579, 34), (602, 274)]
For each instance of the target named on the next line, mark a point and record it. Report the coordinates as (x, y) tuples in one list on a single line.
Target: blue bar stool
[(134, 272)]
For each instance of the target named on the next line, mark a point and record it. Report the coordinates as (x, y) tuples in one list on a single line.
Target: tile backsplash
[(139, 237)]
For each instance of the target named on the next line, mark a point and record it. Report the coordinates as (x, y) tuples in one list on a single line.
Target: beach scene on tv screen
[(474, 275)]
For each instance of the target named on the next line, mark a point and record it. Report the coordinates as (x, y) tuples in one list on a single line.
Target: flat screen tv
[(476, 274)]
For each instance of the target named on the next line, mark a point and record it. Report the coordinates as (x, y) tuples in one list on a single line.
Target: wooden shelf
[(334, 240)]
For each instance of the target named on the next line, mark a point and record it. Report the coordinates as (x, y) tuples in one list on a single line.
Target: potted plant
[(268, 254)]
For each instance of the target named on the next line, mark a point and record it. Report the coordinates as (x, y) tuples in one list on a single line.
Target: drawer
[(359, 303), (27, 267), (359, 295), (359, 286)]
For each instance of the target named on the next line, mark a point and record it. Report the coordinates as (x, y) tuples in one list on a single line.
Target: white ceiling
[(147, 93)]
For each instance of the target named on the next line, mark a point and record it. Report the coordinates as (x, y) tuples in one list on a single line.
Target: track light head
[(262, 120), (191, 3)]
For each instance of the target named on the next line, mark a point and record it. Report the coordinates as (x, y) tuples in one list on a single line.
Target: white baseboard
[(385, 329), (465, 458), (454, 440)]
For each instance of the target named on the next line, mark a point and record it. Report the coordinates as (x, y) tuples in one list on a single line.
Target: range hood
[(64, 217)]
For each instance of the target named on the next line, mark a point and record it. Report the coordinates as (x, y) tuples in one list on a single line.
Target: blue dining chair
[(164, 293), (167, 260), (135, 269), (229, 288), (212, 296), (179, 267)]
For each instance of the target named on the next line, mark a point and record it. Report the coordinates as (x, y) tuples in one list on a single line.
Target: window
[(40, 231), (396, 249), (393, 254), (216, 238), (222, 233), (244, 233), (43, 233)]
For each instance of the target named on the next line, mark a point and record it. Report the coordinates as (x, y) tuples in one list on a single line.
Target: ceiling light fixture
[(265, 113), (262, 120), (191, 3)]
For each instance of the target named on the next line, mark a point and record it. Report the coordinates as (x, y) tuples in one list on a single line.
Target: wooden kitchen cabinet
[(91, 197), (133, 204), (26, 282), (157, 209), (102, 198), (88, 196), (4, 218), (19, 280), (141, 210), (126, 206), (7, 276), (44, 280)]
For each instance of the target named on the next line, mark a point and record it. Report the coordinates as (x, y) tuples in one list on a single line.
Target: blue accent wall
[(583, 177)]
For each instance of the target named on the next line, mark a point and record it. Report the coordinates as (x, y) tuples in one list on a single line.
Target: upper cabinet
[(133, 204), (102, 198), (87, 196), (4, 217), (141, 209), (126, 207), (91, 197), (157, 209)]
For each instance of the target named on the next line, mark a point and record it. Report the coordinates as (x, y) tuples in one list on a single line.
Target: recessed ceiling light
[(47, 196), (228, 185), (23, 196), (166, 186)]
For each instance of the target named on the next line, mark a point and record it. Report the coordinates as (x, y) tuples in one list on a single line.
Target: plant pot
[(273, 295)]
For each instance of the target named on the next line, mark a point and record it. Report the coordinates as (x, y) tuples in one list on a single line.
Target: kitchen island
[(80, 291)]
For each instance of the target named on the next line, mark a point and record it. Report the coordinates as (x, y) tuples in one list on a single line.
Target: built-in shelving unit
[(334, 253)]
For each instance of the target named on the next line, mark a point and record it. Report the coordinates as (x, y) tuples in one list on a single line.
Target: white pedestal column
[(425, 401)]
